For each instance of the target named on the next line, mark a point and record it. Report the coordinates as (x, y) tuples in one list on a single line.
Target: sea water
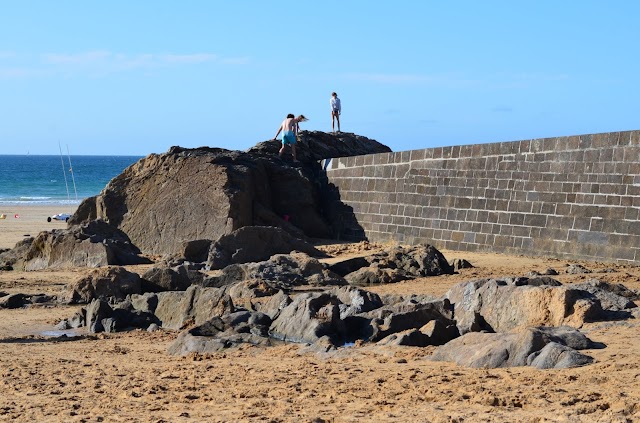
[(46, 180)]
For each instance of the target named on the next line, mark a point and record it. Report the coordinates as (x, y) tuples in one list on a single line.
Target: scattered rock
[(576, 269), (309, 317), (112, 281), (496, 306), (94, 244), (526, 347), (458, 264), (177, 309), (282, 271), (254, 244)]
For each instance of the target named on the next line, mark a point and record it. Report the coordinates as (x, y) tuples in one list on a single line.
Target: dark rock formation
[(21, 300), (13, 301), (178, 278), (540, 347), (282, 271), (93, 244), (503, 305), (196, 305), (104, 283), (394, 265), (216, 335), (458, 264), (403, 316), (612, 297), (15, 256), (165, 200), (255, 243), (251, 293), (308, 318)]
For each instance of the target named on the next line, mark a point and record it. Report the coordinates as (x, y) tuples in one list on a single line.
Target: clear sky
[(136, 77)]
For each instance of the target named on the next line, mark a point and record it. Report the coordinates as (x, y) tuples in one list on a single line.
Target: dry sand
[(24, 221), (128, 377)]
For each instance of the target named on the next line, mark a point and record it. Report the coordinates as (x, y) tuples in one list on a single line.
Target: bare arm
[(278, 133)]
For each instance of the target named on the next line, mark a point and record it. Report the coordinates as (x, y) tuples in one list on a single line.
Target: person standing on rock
[(289, 129), (336, 109)]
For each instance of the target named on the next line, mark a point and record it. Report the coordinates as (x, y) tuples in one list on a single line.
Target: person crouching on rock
[(289, 129)]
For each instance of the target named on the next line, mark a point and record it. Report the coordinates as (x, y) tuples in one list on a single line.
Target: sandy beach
[(25, 221), (129, 377)]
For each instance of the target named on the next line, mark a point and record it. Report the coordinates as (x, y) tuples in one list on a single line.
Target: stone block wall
[(567, 197)]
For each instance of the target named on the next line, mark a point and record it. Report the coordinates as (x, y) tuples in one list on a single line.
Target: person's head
[(290, 115), (333, 94), (301, 118)]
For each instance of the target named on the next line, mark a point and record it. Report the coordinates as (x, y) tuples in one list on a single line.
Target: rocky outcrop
[(612, 297), (196, 305), (104, 283), (93, 244), (255, 243), (282, 271), (19, 300), (540, 347), (502, 305), (403, 316), (308, 318), (165, 200), (221, 333), (178, 278), (394, 265)]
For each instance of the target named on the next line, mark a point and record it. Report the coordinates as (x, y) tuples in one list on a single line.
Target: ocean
[(40, 180)]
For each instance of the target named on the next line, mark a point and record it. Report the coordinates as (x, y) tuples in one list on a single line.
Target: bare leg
[(333, 121), (281, 152), (338, 119)]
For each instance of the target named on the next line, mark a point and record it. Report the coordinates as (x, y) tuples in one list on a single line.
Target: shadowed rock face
[(165, 200)]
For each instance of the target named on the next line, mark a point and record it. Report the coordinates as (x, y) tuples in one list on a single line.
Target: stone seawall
[(567, 197)]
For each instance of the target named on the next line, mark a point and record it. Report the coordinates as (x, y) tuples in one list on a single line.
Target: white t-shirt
[(335, 104)]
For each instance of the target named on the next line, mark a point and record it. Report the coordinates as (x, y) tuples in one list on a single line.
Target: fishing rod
[(64, 172), (71, 170)]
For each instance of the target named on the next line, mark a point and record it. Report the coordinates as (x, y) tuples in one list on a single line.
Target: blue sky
[(136, 77)]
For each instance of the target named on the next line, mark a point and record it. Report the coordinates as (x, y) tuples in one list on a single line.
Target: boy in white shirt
[(336, 109)]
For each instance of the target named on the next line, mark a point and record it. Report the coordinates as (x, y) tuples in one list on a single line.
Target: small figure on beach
[(289, 129), (336, 109)]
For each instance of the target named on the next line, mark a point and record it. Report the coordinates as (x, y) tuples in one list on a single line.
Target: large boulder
[(165, 200), (497, 306), (93, 244), (281, 271), (541, 347), (179, 309), (104, 283), (393, 265), (308, 318), (612, 297), (250, 293), (402, 316), (208, 338), (178, 278), (255, 243), (15, 257)]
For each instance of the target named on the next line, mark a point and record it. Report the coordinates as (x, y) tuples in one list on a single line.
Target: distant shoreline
[(52, 203)]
